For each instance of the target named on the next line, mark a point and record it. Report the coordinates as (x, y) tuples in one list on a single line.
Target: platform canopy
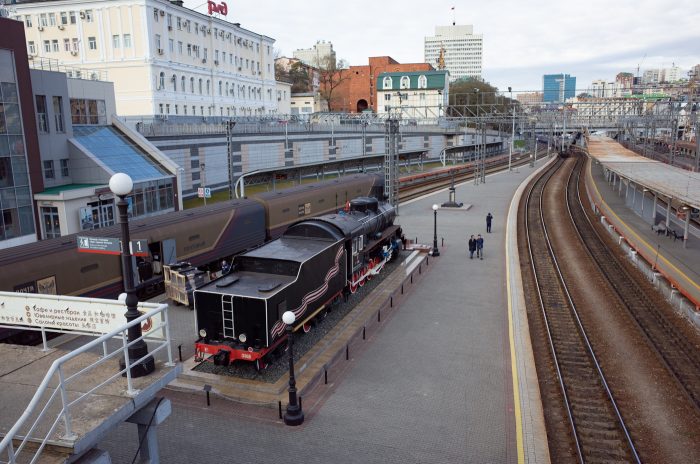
[(669, 181)]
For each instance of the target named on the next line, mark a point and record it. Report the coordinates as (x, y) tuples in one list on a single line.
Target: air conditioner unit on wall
[(61, 27), (74, 52), (160, 51), (204, 60), (162, 12), (82, 15), (40, 28), (216, 62), (170, 28)]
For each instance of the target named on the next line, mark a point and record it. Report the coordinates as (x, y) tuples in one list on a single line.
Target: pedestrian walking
[(489, 217), (480, 247), (472, 247)]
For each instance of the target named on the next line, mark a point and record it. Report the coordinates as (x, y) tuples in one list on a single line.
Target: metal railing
[(60, 396), (51, 64)]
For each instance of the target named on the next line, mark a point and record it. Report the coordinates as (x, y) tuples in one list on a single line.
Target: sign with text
[(65, 313), (204, 192), (111, 246), (220, 8)]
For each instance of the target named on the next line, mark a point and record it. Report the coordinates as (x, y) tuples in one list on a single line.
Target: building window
[(173, 79), (88, 16), (176, 109), (196, 29), (179, 48), (27, 21), (127, 40), (182, 83), (171, 45), (75, 43), (48, 170), (42, 20), (52, 224), (66, 45), (64, 168), (64, 18), (47, 46), (58, 113), (200, 86), (167, 108), (92, 43), (161, 81), (158, 41), (31, 47), (170, 21), (405, 82), (85, 111), (184, 109), (155, 17), (189, 49), (387, 96), (221, 88), (422, 82), (52, 19), (192, 85), (116, 41), (41, 113), (205, 53), (386, 83), (179, 23), (71, 14), (54, 45), (208, 87), (160, 108)]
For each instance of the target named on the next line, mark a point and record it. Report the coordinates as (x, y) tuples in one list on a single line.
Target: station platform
[(447, 377), (632, 215)]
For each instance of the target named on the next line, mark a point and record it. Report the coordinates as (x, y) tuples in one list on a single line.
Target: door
[(169, 251)]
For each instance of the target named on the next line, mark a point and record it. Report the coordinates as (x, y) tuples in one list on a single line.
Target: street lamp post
[(512, 131), (436, 252), (121, 184), (294, 415)]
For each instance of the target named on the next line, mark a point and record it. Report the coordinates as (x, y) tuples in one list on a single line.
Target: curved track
[(679, 355), (597, 429)]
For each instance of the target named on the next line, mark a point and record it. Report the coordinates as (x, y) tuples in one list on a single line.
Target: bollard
[(416, 240), (411, 278), (420, 268), (279, 405), (325, 377), (300, 407), (207, 388), (402, 289), (363, 333), (347, 352), (427, 260), (443, 241), (379, 315), (179, 350), (391, 301)]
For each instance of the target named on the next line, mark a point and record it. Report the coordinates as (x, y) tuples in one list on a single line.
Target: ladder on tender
[(227, 315)]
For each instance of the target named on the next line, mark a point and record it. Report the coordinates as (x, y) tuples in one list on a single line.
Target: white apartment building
[(316, 56), (162, 57), (603, 89), (462, 50)]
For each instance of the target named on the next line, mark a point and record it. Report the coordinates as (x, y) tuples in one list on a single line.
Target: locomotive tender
[(239, 315)]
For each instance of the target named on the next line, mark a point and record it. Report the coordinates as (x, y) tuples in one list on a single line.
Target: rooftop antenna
[(453, 16)]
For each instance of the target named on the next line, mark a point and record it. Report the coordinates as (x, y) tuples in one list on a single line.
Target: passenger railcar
[(203, 236), (315, 260)]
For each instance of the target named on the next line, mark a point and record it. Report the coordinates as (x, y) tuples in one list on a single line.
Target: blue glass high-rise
[(556, 88)]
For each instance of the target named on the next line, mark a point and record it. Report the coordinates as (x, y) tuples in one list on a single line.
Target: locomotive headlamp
[(242, 338), (202, 333)]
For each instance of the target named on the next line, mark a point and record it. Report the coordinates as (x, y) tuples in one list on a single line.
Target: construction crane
[(639, 65)]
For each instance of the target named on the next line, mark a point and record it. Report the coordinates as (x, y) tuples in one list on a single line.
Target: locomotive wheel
[(361, 283), (261, 364), (306, 327)]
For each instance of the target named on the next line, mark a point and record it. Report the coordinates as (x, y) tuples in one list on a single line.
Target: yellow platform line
[(643, 242), (513, 361)]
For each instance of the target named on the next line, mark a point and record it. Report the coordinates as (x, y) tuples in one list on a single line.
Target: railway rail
[(411, 187), (679, 355), (597, 429)]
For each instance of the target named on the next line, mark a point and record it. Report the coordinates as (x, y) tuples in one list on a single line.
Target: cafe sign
[(70, 313)]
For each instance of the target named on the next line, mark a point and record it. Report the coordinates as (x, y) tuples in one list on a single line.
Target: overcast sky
[(523, 39)]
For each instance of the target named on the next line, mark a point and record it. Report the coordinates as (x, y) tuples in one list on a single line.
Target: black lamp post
[(121, 184), (436, 252), (294, 414)]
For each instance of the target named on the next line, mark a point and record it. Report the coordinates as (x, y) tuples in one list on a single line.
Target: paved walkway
[(434, 384)]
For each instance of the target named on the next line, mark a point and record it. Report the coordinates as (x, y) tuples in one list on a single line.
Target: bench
[(659, 228)]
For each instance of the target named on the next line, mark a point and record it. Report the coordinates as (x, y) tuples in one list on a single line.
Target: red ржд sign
[(214, 8)]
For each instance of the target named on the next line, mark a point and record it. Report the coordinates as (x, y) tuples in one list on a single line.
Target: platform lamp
[(121, 184), (436, 252), (294, 415)]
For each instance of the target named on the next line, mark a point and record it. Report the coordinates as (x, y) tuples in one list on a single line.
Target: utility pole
[(512, 132), (391, 162), (229, 154)]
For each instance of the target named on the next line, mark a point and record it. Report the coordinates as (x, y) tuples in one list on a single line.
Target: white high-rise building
[(461, 50), (163, 58), (317, 56)]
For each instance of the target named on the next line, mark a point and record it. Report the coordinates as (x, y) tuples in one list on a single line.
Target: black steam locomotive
[(239, 316)]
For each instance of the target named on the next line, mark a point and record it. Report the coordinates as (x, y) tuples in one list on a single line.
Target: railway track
[(679, 355), (597, 429), (464, 173)]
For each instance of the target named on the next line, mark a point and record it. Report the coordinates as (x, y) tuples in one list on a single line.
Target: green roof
[(64, 188), (434, 80)]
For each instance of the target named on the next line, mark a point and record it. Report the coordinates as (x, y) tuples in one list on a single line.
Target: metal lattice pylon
[(391, 162)]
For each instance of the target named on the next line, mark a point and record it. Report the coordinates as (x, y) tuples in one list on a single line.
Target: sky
[(523, 39)]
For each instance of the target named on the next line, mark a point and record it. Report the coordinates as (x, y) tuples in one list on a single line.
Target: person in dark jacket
[(472, 247), (480, 247), (489, 218)]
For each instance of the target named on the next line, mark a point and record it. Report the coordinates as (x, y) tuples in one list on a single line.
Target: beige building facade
[(162, 57)]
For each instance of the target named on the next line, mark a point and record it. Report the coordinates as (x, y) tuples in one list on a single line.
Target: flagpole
[(453, 16)]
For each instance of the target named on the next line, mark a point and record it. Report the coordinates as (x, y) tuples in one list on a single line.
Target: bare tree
[(331, 76)]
